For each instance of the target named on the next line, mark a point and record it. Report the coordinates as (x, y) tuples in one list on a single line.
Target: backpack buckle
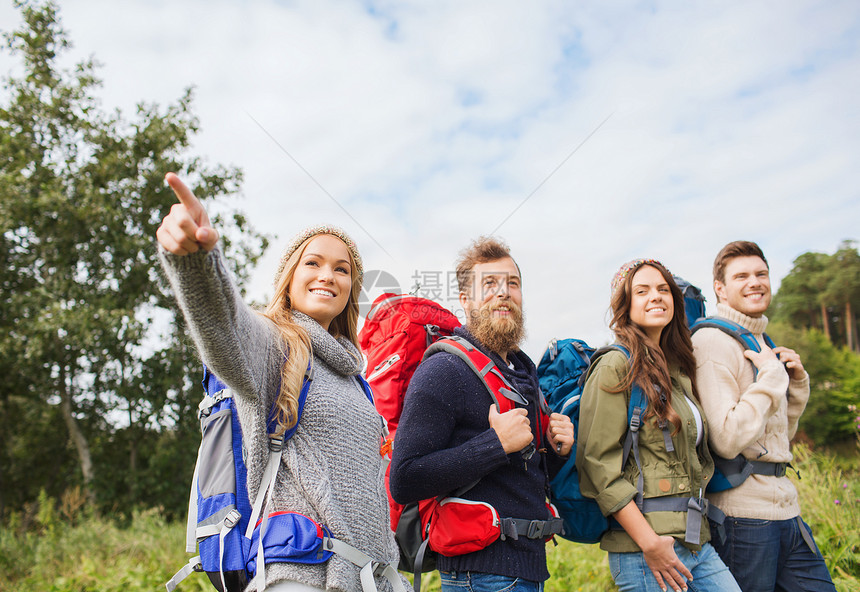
[(232, 519), (634, 421), (536, 529), (528, 451), (276, 443), (780, 469)]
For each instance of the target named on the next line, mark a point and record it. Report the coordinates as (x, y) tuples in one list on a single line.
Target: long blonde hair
[(295, 341)]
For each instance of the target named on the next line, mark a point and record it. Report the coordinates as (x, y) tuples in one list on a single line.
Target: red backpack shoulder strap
[(501, 391)]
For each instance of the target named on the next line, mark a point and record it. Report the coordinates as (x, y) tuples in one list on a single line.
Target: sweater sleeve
[(798, 397), (602, 428), (736, 404), (425, 462), (233, 341)]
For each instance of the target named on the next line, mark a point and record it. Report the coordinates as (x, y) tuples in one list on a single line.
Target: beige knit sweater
[(749, 415)]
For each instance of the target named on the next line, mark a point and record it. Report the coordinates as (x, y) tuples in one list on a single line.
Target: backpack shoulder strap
[(743, 335), (638, 400), (740, 333), (303, 395), (368, 392), (276, 446), (500, 390), (267, 483), (599, 353), (636, 408)]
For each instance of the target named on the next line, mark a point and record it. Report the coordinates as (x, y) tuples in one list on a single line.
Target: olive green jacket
[(602, 430)]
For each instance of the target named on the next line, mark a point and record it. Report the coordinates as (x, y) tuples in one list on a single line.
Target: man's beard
[(498, 334)]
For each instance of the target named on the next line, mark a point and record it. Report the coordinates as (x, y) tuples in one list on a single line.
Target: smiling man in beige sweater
[(753, 402)]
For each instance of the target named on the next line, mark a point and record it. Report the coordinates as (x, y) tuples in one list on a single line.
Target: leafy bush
[(830, 504), (64, 550), (93, 555), (834, 380)]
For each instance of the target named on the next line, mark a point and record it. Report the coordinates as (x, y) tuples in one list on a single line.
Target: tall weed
[(92, 555), (67, 549), (830, 504)]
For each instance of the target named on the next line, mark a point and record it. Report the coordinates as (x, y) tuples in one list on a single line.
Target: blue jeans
[(710, 574), (771, 555), (475, 581)]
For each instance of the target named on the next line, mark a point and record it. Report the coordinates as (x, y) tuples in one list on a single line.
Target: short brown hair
[(732, 250), (482, 250)]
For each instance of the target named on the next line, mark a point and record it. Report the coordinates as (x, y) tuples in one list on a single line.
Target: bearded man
[(452, 438)]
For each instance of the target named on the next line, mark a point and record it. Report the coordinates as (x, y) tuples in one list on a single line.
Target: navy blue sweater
[(444, 442)]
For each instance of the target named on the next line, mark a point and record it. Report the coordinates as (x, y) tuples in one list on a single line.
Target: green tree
[(834, 382), (842, 291), (799, 301), (823, 292), (91, 343)]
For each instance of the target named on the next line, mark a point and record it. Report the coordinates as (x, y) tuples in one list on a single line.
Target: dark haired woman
[(659, 538)]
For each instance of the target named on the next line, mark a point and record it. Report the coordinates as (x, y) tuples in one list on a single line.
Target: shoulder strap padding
[(500, 390), (740, 333), (636, 408)]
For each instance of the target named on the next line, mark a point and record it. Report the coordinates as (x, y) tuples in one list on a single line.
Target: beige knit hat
[(313, 231), (630, 267)]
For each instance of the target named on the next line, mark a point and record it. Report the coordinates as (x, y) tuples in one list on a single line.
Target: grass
[(830, 504), (70, 550)]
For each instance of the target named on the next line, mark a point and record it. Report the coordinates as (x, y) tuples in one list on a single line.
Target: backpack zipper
[(383, 367), (467, 502)]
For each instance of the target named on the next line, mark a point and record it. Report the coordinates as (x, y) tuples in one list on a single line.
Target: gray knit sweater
[(331, 468)]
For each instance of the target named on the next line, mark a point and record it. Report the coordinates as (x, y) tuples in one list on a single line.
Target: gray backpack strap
[(191, 523), (631, 444), (807, 538), (369, 567), (770, 469), (267, 485), (189, 568), (695, 507), (514, 528)]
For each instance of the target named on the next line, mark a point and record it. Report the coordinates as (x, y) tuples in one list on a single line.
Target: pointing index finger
[(185, 196)]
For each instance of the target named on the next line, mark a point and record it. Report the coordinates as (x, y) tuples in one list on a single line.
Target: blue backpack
[(694, 300), (562, 372), (227, 528), (731, 472)]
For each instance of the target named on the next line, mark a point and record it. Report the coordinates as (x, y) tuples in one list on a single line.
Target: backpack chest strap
[(695, 507), (514, 528), (769, 469)]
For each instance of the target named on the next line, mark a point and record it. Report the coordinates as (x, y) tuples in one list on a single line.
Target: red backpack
[(398, 333)]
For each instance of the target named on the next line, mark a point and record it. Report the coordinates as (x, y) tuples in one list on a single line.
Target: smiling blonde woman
[(331, 469)]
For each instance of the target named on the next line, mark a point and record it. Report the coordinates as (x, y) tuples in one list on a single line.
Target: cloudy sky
[(584, 133)]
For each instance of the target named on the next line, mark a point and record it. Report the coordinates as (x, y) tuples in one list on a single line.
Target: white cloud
[(430, 123)]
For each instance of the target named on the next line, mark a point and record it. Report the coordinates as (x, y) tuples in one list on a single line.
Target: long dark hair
[(649, 362)]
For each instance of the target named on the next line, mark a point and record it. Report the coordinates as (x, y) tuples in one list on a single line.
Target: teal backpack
[(562, 373)]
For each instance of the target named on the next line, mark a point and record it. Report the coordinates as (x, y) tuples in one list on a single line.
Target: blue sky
[(429, 123)]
